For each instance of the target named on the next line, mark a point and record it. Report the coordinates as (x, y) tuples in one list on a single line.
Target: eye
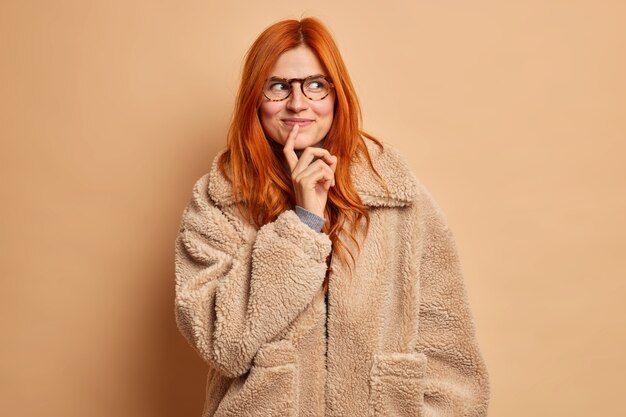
[(316, 84), (278, 86)]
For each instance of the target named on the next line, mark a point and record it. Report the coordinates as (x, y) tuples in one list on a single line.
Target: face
[(314, 117)]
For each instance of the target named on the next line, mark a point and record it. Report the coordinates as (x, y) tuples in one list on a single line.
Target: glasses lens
[(316, 88), (277, 89)]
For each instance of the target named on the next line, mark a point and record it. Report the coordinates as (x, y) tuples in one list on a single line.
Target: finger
[(288, 149), (331, 172), (307, 158), (332, 162), (322, 177), (310, 153), (315, 166), (315, 172)]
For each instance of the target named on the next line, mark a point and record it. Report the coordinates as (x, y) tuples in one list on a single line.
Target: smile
[(301, 122)]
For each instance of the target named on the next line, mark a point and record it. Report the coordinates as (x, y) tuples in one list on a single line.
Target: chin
[(302, 143)]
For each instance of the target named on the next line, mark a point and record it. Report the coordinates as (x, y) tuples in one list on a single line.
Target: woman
[(314, 273)]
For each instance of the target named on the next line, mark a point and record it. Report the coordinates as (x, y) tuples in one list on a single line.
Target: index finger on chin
[(288, 149)]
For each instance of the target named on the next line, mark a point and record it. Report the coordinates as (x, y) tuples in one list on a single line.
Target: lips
[(296, 121)]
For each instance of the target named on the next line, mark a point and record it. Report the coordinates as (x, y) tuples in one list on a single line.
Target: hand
[(311, 181)]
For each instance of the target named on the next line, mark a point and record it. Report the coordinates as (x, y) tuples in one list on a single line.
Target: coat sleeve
[(233, 293), (455, 380)]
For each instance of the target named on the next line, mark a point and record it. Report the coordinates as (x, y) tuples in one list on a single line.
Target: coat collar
[(389, 163)]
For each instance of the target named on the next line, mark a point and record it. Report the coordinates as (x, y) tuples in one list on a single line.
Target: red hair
[(256, 172)]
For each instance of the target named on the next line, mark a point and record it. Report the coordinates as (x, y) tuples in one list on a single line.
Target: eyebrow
[(276, 77)]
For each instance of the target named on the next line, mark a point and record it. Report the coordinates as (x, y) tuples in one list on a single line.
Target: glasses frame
[(302, 82)]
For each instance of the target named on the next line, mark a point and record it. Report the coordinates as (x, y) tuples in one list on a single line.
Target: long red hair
[(257, 173)]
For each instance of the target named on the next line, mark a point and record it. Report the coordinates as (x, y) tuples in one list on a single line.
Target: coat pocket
[(396, 388), (268, 389)]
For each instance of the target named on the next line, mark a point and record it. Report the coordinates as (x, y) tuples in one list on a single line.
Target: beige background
[(513, 114)]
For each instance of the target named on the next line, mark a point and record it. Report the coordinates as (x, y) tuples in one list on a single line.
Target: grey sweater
[(311, 219)]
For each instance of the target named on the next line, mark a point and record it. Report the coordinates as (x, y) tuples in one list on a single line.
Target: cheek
[(325, 112), (268, 111)]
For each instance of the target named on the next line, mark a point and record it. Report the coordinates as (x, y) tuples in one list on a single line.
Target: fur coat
[(396, 340)]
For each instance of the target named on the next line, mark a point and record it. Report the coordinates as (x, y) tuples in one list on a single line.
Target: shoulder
[(405, 188), (389, 158), (209, 188), (215, 184), (405, 185)]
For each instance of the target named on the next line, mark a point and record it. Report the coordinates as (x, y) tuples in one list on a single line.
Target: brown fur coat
[(401, 338)]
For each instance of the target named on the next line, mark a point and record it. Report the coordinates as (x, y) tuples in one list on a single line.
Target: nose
[(297, 101)]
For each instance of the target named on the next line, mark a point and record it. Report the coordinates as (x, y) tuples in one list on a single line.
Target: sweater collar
[(389, 163)]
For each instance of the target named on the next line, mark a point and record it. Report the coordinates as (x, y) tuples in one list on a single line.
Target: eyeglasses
[(314, 87)]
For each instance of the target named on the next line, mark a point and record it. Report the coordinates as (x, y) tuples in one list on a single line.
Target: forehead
[(298, 62)]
